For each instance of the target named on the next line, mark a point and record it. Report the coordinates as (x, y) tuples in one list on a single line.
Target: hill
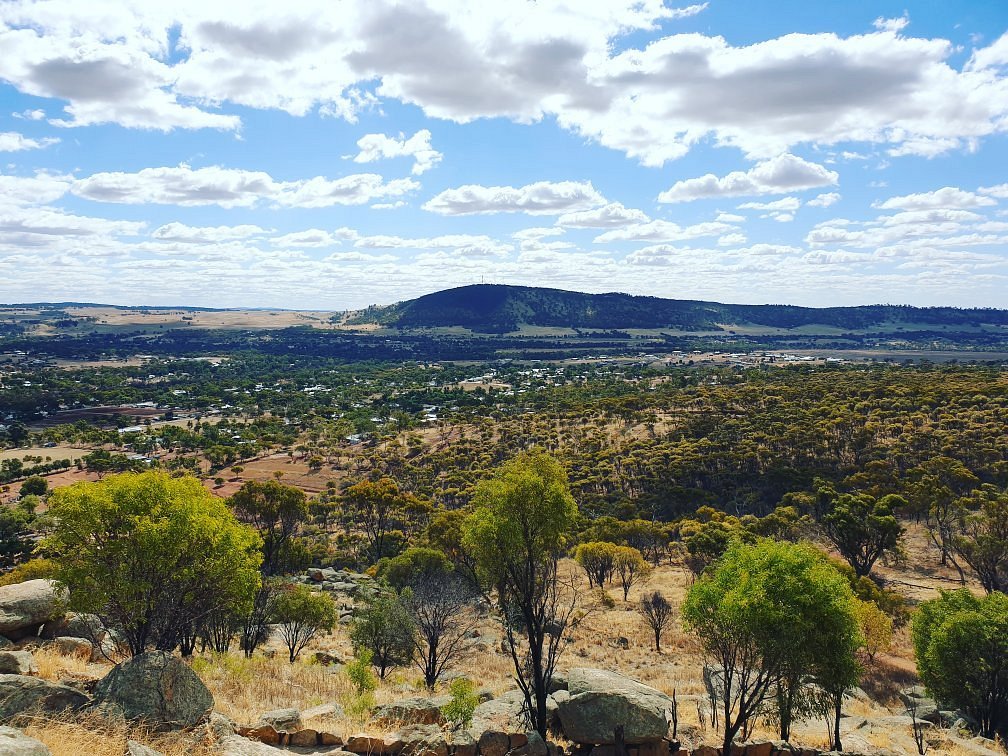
[(495, 308)]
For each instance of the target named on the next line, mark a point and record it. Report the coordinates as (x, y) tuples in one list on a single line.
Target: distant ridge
[(498, 308)]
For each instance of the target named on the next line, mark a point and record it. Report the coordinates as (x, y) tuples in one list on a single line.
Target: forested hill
[(494, 308)]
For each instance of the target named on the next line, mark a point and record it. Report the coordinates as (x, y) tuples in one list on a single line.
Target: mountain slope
[(495, 308)]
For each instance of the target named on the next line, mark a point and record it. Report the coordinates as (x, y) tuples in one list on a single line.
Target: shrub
[(358, 670), (459, 711), (385, 629)]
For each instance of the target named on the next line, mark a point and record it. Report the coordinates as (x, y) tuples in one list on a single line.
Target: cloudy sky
[(329, 155)]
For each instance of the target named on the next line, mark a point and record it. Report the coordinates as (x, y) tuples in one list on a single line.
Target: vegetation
[(302, 614)]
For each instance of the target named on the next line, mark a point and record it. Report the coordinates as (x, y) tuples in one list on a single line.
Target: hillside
[(495, 308)]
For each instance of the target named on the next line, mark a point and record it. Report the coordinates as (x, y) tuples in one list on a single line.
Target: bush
[(302, 614), (36, 485), (961, 644), (358, 670), (385, 629), (459, 711), (30, 570)]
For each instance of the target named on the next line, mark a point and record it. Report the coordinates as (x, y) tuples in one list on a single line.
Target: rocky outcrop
[(417, 710), (282, 720), (25, 695), (25, 607), (70, 645), (158, 689), (17, 663), (600, 701), (16, 743)]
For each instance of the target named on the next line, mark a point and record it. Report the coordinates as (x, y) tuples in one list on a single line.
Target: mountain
[(495, 308)]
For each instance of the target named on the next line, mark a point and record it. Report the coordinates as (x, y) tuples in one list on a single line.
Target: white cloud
[(538, 232), (730, 218), (892, 25), (38, 226), (540, 198), (612, 215), (731, 240), (784, 173), (946, 197), (783, 204), (389, 205), (782, 217), (659, 230), (11, 141), (179, 232), (1000, 191), (229, 187), (39, 189), (689, 10), (461, 243), (824, 200), (312, 237), (30, 115), (378, 146)]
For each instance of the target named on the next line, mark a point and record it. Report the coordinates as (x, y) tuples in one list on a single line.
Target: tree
[(876, 627), (658, 612), (15, 537), (863, 528), (378, 508), (256, 620), (36, 485), (768, 616), (517, 533), (961, 645), (276, 510), (302, 614), (415, 564), (441, 610), (631, 567), (982, 540), (597, 558), (935, 489), (152, 556), (385, 628)]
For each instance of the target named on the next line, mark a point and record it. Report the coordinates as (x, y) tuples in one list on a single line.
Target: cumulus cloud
[(183, 64), (230, 187), (540, 198), (39, 189), (783, 204), (11, 141), (946, 197), (659, 230), (461, 243), (612, 215), (784, 173), (824, 200), (179, 232), (378, 146)]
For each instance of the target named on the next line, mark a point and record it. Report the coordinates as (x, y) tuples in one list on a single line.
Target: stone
[(364, 743), (329, 739), (494, 744), (924, 706), (261, 734), (534, 746), (6, 642), (235, 745), (557, 682), (601, 700), (20, 694), (25, 607), (463, 743), (69, 645), (326, 659), (416, 710), (139, 749), (73, 625), (219, 727), (281, 720), (331, 710), (16, 743), (17, 663), (303, 738), (157, 689), (422, 740)]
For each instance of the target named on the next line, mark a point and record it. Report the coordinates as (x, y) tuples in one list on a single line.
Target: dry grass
[(53, 665), (96, 735)]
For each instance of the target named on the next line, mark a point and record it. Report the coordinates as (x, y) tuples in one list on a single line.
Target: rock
[(326, 659), (463, 743), (24, 607), (235, 745), (6, 642), (303, 738), (417, 710), (916, 697), (600, 701), (16, 743), (557, 682), (73, 646), (219, 727), (158, 689), (422, 740), (262, 734), (20, 694), (281, 720), (87, 626), (494, 744), (534, 746), (332, 710), (364, 743), (139, 749), (17, 663), (623, 642)]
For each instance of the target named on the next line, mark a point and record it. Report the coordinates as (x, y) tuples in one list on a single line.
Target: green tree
[(384, 628), (36, 485), (982, 540), (597, 558), (517, 534), (152, 556), (631, 567), (416, 563), (302, 614), (863, 528), (379, 508), (276, 510), (961, 645), (15, 537), (768, 616)]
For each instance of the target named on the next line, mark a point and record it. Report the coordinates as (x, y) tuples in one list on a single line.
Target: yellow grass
[(96, 735)]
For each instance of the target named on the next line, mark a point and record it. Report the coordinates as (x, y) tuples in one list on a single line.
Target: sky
[(331, 154)]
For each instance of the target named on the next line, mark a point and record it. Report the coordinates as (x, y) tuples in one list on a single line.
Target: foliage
[(597, 558), (151, 555), (379, 508), (15, 537), (358, 671), (458, 712), (36, 485), (39, 567), (631, 567), (519, 529), (276, 510), (302, 614), (767, 613), (982, 540), (863, 528), (876, 627), (441, 610), (961, 645), (416, 563), (385, 629)]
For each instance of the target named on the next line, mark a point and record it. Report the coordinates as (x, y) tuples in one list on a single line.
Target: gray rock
[(6, 642), (235, 745), (25, 607), (916, 697), (557, 682), (20, 694), (75, 625), (333, 710), (16, 743), (219, 727), (421, 740), (281, 720), (600, 701), (139, 749), (158, 689), (417, 710), (17, 663), (74, 646)]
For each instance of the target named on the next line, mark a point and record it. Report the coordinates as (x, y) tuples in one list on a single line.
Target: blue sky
[(322, 155)]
